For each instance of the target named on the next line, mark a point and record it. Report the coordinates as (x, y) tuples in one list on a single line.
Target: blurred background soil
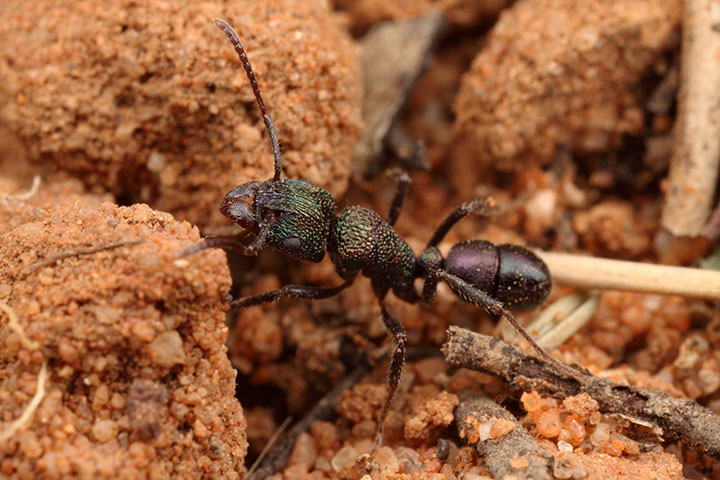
[(138, 118)]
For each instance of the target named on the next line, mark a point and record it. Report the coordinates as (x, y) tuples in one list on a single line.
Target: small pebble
[(167, 349), (322, 464), (564, 446), (305, 450), (324, 433), (105, 430), (343, 458), (548, 423), (442, 449), (410, 459), (600, 435), (500, 428), (296, 472), (388, 461)]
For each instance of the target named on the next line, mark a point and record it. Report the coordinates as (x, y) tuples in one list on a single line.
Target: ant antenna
[(232, 36)]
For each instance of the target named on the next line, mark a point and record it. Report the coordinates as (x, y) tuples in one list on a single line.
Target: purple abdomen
[(509, 273)]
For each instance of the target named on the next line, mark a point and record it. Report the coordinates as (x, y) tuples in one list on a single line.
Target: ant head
[(295, 214), (292, 216)]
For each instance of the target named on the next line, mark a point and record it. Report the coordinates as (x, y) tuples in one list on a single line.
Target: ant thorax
[(360, 241)]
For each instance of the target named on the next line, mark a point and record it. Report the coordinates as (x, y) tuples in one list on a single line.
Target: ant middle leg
[(295, 291), (482, 206), (396, 366)]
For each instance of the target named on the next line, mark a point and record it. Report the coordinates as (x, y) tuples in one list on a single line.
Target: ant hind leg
[(494, 307)]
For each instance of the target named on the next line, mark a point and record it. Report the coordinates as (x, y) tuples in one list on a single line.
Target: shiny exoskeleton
[(297, 218)]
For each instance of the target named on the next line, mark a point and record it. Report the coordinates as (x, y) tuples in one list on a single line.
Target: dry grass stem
[(560, 320), (589, 273)]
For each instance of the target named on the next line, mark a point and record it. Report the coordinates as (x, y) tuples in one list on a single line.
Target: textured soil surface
[(146, 99), (552, 107), (138, 379)]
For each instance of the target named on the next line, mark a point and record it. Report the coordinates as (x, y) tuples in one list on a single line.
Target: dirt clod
[(112, 400)]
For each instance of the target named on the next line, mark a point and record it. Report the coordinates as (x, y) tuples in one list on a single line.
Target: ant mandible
[(297, 218)]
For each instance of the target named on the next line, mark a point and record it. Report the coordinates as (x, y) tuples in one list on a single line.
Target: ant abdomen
[(510, 273)]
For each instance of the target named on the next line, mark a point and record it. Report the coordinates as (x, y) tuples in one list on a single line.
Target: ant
[(297, 218)]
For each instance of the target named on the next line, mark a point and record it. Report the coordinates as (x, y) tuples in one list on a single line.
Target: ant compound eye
[(292, 243)]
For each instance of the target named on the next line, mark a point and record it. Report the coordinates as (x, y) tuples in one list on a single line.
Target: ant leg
[(479, 298), (429, 288), (402, 187), (483, 206), (295, 291), (396, 365), (228, 242)]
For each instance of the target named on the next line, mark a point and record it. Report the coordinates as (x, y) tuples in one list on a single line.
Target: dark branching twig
[(323, 410), (516, 453), (692, 424)]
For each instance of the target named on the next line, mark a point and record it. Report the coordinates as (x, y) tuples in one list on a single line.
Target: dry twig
[(696, 157), (692, 424), (601, 273), (515, 453)]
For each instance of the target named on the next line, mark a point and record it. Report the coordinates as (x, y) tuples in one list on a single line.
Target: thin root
[(83, 251), (4, 199), (15, 326), (32, 406)]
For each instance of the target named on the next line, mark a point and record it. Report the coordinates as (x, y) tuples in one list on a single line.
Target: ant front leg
[(396, 365), (229, 242), (397, 202), (477, 297), (482, 206), (294, 291)]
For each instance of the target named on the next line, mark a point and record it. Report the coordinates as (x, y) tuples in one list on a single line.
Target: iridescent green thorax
[(351, 239), (304, 215), (395, 258), (361, 241)]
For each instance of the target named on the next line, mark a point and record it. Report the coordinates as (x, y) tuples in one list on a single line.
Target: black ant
[(297, 218)]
